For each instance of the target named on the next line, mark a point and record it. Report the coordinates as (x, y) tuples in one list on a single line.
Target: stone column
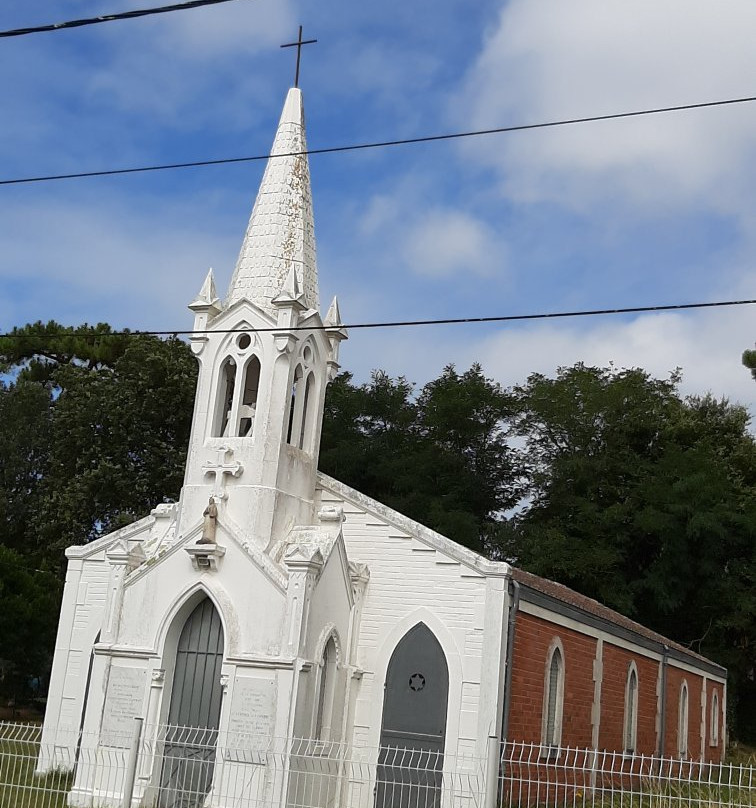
[(151, 730), (118, 556), (304, 565)]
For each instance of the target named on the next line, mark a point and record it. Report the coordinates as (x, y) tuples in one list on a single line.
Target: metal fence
[(180, 767), (535, 775)]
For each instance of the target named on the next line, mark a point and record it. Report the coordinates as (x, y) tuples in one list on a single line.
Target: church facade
[(272, 601)]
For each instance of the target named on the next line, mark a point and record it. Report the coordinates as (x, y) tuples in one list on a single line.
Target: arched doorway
[(194, 713), (413, 730)]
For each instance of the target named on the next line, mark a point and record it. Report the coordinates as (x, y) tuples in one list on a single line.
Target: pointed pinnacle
[(333, 325), (333, 318), (291, 284), (290, 293), (207, 295)]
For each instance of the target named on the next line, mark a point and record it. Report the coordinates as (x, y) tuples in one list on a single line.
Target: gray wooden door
[(413, 731), (194, 714)]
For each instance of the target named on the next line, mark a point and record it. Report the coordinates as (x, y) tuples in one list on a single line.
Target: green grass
[(21, 788)]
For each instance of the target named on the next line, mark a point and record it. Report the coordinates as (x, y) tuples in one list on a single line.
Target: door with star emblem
[(413, 731)]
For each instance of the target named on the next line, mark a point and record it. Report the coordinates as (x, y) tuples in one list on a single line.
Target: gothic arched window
[(324, 729), (306, 405), (248, 406), (553, 698), (714, 721), (225, 401), (631, 709), (295, 409), (682, 721)]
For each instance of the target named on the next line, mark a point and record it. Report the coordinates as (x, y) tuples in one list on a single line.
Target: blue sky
[(654, 210)]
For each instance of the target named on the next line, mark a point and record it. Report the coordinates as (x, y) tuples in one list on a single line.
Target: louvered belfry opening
[(194, 714)]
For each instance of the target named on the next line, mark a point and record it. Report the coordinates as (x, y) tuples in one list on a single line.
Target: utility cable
[(123, 15), (389, 324), (382, 143)]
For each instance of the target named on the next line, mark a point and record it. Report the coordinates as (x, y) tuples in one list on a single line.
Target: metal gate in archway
[(194, 714)]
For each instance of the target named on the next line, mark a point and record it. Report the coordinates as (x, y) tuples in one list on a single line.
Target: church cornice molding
[(270, 663), (84, 551), (251, 310), (125, 651), (277, 577), (433, 540)]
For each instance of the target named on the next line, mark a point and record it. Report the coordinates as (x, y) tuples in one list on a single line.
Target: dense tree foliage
[(93, 433), (30, 600), (606, 480), (646, 502), (749, 360), (440, 457)]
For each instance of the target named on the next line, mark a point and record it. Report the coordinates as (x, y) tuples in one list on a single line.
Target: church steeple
[(280, 233), (266, 357)]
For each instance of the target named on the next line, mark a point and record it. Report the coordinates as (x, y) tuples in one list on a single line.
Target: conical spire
[(280, 233)]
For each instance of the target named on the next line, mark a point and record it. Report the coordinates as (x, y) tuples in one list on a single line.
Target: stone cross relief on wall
[(224, 467)]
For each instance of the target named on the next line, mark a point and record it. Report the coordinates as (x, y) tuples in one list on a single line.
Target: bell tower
[(265, 357)]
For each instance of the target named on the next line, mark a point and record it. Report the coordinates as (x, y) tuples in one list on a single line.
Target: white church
[(273, 602)]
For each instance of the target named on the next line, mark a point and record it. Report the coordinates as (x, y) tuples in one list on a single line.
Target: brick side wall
[(533, 639), (532, 642), (675, 678), (611, 729), (407, 575)]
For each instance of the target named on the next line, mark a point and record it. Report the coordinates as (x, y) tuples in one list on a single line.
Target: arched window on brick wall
[(553, 696), (714, 719), (682, 721), (631, 709)]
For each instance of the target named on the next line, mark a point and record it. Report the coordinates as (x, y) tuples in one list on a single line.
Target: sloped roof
[(552, 592), (592, 607)]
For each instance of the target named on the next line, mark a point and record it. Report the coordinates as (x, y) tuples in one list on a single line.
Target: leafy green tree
[(440, 457), (749, 360), (118, 441), (103, 433), (28, 622), (25, 412), (646, 502), (37, 349), (94, 428)]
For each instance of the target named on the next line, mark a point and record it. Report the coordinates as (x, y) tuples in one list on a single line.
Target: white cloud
[(406, 229), (706, 345), (547, 59), (445, 242), (102, 260)]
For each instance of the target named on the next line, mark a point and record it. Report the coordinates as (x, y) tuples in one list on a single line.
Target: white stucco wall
[(413, 581)]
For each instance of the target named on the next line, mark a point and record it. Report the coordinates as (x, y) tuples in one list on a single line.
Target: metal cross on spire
[(298, 44)]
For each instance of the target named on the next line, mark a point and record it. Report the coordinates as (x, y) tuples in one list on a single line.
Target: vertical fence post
[(492, 773), (131, 764)]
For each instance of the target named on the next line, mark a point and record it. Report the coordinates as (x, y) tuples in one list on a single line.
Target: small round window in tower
[(244, 341), (307, 354)]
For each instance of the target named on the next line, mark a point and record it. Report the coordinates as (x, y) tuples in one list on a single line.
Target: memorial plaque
[(251, 717), (124, 702)]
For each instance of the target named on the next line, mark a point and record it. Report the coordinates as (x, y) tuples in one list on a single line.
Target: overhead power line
[(396, 323), (122, 15), (381, 143)]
